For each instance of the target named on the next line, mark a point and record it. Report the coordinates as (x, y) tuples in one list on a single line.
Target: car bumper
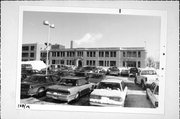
[(96, 102), (66, 98)]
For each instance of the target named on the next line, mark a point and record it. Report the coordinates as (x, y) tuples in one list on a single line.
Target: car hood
[(29, 83), (107, 92), (151, 76), (60, 87)]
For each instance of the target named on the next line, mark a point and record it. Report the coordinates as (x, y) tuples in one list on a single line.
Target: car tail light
[(95, 96), (116, 98), (156, 104)]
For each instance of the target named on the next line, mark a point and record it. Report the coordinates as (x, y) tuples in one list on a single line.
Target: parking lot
[(136, 97)]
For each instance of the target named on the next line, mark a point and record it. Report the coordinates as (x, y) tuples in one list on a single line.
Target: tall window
[(139, 64), (53, 54), (123, 63), (101, 63), (112, 63), (32, 55), (107, 54), (124, 54), (139, 54), (32, 47)]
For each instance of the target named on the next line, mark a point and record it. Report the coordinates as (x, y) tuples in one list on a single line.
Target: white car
[(109, 92), (146, 77), (152, 93)]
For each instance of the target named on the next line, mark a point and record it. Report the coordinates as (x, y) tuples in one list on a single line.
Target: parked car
[(37, 84), (113, 71), (133, 71), (109, 92), (152, 93), (145, 77), (70, 88), (124, 72)]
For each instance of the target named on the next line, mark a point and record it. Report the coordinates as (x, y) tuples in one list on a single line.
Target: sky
[(94, 30)]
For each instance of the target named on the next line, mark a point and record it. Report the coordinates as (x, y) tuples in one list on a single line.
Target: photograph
[(92, 59)]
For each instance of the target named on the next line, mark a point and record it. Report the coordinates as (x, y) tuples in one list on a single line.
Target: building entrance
[(79, 63)]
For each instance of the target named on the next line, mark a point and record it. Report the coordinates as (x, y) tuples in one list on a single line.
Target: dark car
[(133, 72), (37, 84), (85, 71), (70, 88), (113, 71)]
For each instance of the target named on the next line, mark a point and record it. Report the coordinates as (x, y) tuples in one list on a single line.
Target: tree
[(150, 62)]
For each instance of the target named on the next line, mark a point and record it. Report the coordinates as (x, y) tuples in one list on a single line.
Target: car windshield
[(109, 85), (148, 72), (68, 82), (156, 92)]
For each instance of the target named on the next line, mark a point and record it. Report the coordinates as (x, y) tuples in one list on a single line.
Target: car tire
[(41, 92), (143, 85), (135, 80)]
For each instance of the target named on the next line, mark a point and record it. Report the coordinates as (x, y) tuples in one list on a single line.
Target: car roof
[(112, 80), (73, 77)]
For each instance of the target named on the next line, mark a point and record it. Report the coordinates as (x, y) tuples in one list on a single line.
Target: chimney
[(71, 45)]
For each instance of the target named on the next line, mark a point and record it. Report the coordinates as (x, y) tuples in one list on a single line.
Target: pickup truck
[(145, 77)]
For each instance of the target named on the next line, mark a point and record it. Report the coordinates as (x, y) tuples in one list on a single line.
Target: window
[(106, 54), (139, 54), (87, 62), (101, 63), (32, 47), (134, 54), (53, 54), (113, 53), (25, 48), (25, 55), (123, 63), (101, 53), (62, 62), (139, 64), (124, 54), (112, 63), (53, 61), (32, 55), (58, 54), (87, 54)]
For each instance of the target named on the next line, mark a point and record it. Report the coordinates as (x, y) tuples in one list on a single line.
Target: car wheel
[(143, 85), (41, 92), (135, 80)]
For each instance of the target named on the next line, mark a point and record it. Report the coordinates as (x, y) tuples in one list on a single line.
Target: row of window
[(132, 54), (26, 48), (101, 63), (88, 62), (107, 63), (81, 54), (27, 54), (68, 62)]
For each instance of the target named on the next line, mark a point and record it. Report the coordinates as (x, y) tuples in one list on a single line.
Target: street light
[(45, 22)]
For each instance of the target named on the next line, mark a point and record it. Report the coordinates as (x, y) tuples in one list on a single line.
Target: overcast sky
[(94, 30)]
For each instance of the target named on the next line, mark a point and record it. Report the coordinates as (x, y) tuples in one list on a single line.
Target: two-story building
[(105, 57)]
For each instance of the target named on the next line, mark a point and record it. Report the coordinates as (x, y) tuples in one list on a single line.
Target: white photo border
[(163, 32)]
